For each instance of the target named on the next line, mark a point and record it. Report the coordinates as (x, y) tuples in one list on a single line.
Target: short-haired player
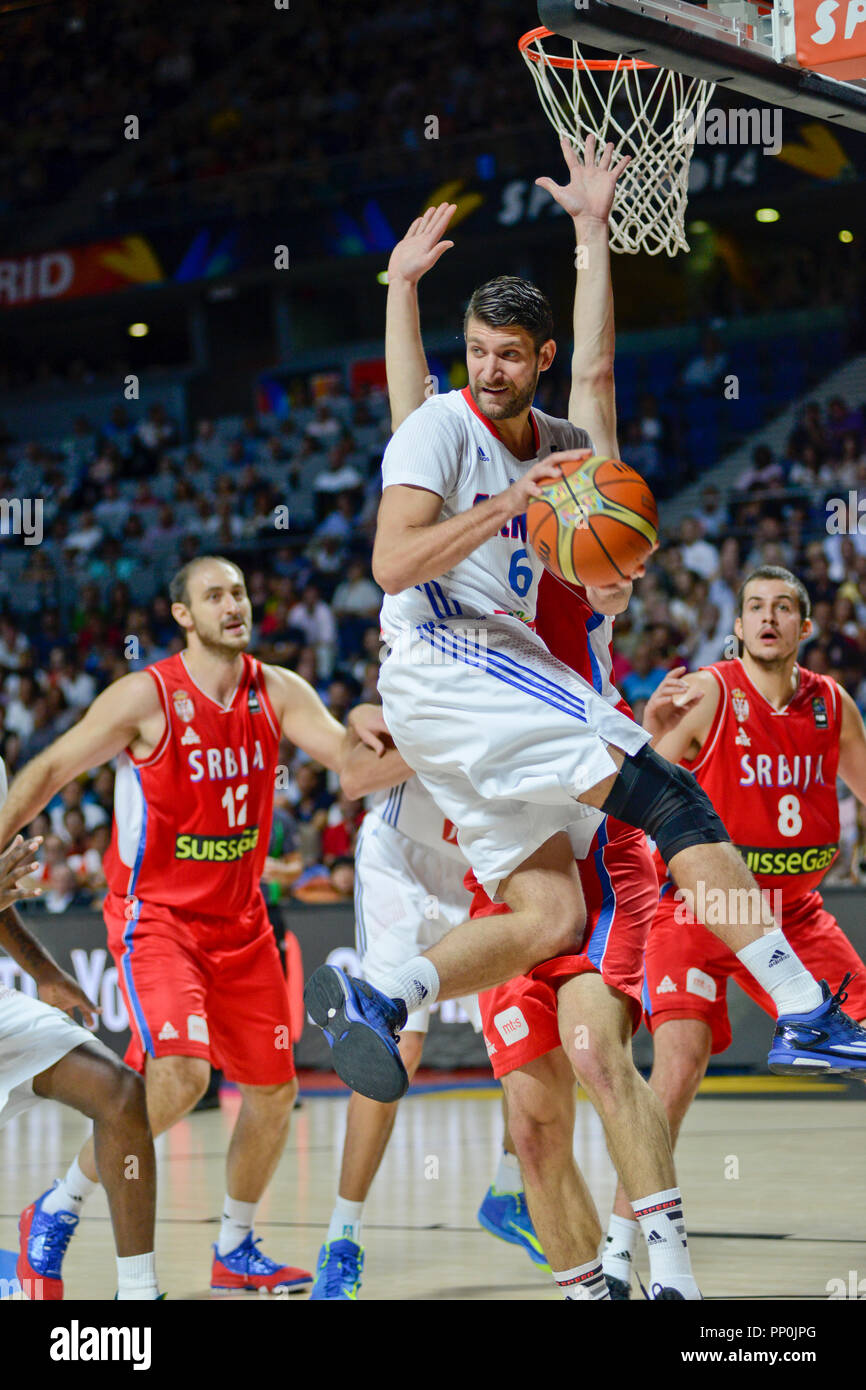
[(513, 745), (767, 739)]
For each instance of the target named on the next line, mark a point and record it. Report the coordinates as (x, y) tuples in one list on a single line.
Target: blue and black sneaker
[(338, 1272), (506, 1215), (361, 1026), (823, 1042), (618, 1289)]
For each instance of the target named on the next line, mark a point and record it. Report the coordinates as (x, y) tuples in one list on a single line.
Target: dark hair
[(509, 301), (778, 572), (178, 590)]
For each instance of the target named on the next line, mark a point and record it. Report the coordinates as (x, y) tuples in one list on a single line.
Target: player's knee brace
[(666, 802)]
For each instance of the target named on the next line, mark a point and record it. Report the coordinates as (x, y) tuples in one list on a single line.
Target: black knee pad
[(665, 801)]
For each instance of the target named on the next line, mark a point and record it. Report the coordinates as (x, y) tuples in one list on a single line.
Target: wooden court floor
[(773, 1175)]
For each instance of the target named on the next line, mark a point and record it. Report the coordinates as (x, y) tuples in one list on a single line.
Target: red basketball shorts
[(620, 888), (202, 986), (688, 967)]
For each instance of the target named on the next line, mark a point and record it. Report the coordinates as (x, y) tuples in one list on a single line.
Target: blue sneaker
[(246, 1268), (360, 1025), (338, 1272), (823, 1042), (44, 1237), (505, 1214)]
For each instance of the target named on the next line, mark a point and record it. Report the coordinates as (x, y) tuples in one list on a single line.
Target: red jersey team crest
[(771, 775), (192, 822)]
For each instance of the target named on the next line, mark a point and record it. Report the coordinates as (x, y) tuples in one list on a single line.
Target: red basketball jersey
[(578, 636), (771, 775), (192, 822)]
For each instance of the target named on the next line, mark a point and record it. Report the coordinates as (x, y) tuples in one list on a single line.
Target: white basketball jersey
[(411, 809), (448, 447)]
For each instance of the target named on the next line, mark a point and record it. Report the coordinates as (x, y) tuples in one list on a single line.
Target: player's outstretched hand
[(422, 245), (60, 990), (670, 702), (15, 865), (590, 188)]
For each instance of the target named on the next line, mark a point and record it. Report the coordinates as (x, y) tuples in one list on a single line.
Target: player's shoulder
[(446, 414)]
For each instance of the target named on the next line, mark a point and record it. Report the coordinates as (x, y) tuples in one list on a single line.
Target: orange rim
[(588, 64)]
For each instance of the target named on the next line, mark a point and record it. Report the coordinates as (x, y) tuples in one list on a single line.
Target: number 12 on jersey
[(235, 803)]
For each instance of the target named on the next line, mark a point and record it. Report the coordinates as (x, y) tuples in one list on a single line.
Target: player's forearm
[(29, 793), (592, 402), (405, 360), (420, 553), (23, 947), (366, 772)]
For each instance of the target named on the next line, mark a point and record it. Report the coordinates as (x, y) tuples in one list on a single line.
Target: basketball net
[(592, 96)]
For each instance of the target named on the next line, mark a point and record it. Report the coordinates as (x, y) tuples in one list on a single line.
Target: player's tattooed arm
[(679, 713), (852, 747), (127, 714), (406, 366)]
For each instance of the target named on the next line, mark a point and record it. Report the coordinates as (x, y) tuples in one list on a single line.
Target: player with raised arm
[(766, 738), (197, 735), (513, 745), (589, 1001)]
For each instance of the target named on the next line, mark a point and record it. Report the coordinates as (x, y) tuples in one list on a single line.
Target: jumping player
[(766, 738), (198, 735), (574, 1016), (513, 745)]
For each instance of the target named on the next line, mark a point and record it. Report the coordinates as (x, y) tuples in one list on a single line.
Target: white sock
[(417, 983), (236, 1225), (346, 1221), (582, 1282), (619, 1246), (136, 1278), (781, 973), (508, 1175), (661, 1220), (71, 1192)]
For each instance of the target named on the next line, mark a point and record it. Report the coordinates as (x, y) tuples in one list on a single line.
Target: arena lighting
[(138, 330), (766, 215), (846, 237), (699, 227), (382, 277)]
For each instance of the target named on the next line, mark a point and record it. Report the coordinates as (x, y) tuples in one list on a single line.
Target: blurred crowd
[(293, 502)]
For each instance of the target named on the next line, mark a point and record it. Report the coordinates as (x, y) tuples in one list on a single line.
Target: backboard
[(769, 52)]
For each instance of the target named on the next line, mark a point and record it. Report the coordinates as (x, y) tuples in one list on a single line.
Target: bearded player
[(766, 738), (198, 735), (572, 1017)]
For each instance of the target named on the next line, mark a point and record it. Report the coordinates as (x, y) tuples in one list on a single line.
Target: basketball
[(595, 524)]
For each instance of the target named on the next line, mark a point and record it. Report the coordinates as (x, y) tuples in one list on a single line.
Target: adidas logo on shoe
[(167, 1032), (776, 958)]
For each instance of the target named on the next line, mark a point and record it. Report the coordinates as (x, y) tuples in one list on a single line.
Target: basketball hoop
[(649, 205)]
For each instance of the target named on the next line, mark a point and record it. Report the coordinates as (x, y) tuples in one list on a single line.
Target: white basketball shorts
[(33, 1036), (406, 898), (503, 735)]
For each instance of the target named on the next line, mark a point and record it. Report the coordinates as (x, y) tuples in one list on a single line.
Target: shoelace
[(55, 1239), (259, 1264), (334, 1271), (837, 1000)]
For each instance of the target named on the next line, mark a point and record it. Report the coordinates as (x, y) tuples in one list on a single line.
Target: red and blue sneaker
[(824, 1041), (338, 1272), (246, 1268), (506, 1215), (44, 1238), (360, 1025)]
